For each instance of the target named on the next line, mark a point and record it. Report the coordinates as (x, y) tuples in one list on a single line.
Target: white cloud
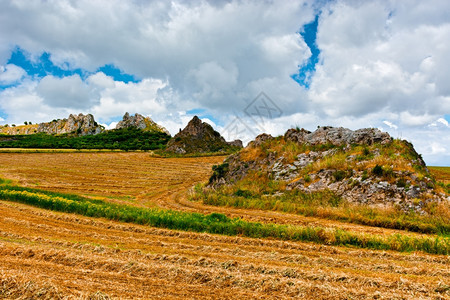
[(69, 92), (390, 124), (382, 63), (10, 74), (208, 52)]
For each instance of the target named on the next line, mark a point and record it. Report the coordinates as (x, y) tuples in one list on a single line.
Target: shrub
[(219, 171), (401, 183), (307, 178), (243, 193), (377, 170), (339, 175)]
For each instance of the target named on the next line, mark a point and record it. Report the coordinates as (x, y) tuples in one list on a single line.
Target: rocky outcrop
[(140, 122), (338, 136), (200, 137), (365, 166), (75, 124)]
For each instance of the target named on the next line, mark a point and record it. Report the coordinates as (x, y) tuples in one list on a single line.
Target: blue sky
[(306, 71), (343, 63), (42, 66)]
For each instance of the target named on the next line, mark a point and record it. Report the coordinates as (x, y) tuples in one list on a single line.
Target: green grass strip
[(217, 223)]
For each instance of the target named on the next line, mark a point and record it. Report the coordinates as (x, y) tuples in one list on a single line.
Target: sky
[(246, 67)]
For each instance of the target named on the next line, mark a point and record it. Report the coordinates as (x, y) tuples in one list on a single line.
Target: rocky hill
[(200, 137), (365, 166), (21, 129), (79, 125), (140, 122), (75, 124)]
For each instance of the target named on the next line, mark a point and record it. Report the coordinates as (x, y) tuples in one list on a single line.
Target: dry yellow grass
[(441, 174), (46, 254), (58, 254), (141, 180)]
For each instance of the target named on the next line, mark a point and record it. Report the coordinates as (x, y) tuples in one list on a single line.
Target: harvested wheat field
[(47, 254)]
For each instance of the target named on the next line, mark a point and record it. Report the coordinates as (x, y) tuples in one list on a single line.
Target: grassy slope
[(258, 191)]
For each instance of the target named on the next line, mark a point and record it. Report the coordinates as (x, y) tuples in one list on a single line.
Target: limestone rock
[(140, 122), (338, 136), (75, 124)]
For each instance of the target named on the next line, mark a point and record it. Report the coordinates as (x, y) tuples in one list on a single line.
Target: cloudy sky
[(244, 66)]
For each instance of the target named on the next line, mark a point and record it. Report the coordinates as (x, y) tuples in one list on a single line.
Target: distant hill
[(83, 132), (78, 125), (200, 137)]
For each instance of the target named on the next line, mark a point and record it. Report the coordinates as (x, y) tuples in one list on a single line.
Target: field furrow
[(46, 254)]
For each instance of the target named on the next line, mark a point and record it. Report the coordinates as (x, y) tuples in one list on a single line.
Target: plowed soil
[(45, 254)]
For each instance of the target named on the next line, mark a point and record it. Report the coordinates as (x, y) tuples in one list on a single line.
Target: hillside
[(140, 122), (200, 137), (78, 125), (361, 176), (123, 139), (83, 132)]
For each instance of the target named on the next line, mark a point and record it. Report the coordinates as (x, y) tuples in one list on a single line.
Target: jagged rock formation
[(75, 124), (337, 136), (365, 166), (141, 122), (200, 137)]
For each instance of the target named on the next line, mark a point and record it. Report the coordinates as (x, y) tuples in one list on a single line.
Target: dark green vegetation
[(216, 223), (123, 139)]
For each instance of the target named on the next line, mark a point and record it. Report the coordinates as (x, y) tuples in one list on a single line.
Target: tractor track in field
[(45, 254), (141, 180), (78, 256)]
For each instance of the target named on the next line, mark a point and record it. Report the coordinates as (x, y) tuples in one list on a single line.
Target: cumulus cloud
[(374, 57), (381, 63), (440, 122), (10, 74), (208, 52), (70, 92)]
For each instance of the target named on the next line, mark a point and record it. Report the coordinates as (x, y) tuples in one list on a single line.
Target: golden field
[(45, 254)]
